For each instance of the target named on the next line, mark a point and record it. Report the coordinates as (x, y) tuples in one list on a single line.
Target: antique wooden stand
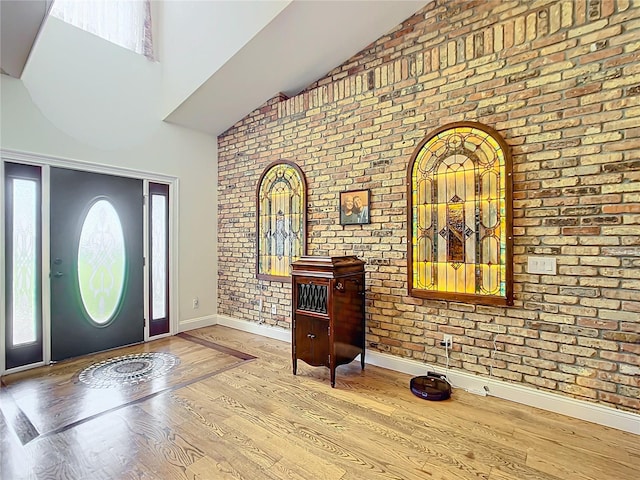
[(328, 311)]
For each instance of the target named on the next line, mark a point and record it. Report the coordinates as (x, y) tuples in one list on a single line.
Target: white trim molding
[(46, 162), (199, 322), (590, 412), (73, 164), (262, 329), (2, 272)]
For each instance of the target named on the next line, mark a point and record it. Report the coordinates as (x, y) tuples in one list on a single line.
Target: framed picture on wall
[(354, 207)]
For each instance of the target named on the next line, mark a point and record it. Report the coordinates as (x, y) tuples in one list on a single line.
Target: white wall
[(196, 38), (84, 99)]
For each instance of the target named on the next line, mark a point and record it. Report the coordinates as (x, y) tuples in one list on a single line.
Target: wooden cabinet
[(328, 311)]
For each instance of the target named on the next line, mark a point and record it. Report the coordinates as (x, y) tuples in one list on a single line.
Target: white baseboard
[(193, 323), (590, 412), (269, 331)]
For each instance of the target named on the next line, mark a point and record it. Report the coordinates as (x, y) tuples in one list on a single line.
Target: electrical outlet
[(196, 303), (447, 340), (274, 309)]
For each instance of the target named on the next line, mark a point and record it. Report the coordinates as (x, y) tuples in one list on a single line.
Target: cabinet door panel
[(349, 318), (312, 340)]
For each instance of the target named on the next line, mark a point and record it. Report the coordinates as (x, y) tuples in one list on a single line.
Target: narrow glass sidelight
[(159, 259), (24, 275), (101, 262)]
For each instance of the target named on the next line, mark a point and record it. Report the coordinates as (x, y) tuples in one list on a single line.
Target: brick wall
[(560, 81)]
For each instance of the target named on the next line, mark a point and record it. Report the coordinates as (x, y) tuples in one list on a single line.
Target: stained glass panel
[(159, 256), (281, 221), (460, 240), (454, 232), (101, 262), (24, 292)]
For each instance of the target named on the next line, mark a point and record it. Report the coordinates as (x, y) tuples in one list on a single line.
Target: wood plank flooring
[(255, 420), (49, 400)]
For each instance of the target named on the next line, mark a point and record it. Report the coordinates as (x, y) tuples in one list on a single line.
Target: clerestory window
[(123, 22)]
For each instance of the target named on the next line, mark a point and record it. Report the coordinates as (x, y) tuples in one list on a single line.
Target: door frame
[(46, 162)]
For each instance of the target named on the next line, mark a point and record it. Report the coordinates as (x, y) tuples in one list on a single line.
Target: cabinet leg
[(295, 365), (362, 359), (333, 378)]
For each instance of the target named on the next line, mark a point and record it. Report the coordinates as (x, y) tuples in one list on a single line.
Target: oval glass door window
[(101, 262)]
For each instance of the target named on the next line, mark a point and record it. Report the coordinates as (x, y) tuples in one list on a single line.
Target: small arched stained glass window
[(281, 220), (460, 205)]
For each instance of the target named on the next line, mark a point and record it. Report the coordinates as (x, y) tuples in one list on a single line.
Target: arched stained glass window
[(460, 206), (281, 220)]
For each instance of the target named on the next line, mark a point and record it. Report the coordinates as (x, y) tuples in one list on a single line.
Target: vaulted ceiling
[(20, 22), (303, 41)]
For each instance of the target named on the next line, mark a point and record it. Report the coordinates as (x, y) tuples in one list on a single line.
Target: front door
[(96, 262)]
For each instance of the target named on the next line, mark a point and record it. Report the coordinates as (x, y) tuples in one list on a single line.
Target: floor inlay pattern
[(46, 401), (128, 369)]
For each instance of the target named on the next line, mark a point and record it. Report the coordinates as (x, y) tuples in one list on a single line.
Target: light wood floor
[(254, 420)]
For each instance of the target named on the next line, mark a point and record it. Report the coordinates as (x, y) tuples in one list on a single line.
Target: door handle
[(311, 336), (58, 274)]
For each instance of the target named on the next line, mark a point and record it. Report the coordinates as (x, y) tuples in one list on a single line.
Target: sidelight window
[(24, 261), (23, 293), (159, 256)]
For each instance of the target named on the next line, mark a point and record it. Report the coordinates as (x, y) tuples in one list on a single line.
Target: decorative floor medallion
[(128, 370)]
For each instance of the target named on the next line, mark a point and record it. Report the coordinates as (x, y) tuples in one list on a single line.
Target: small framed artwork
[(354, 207)]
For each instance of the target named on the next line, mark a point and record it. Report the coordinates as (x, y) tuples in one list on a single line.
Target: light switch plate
[(542, 265)]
